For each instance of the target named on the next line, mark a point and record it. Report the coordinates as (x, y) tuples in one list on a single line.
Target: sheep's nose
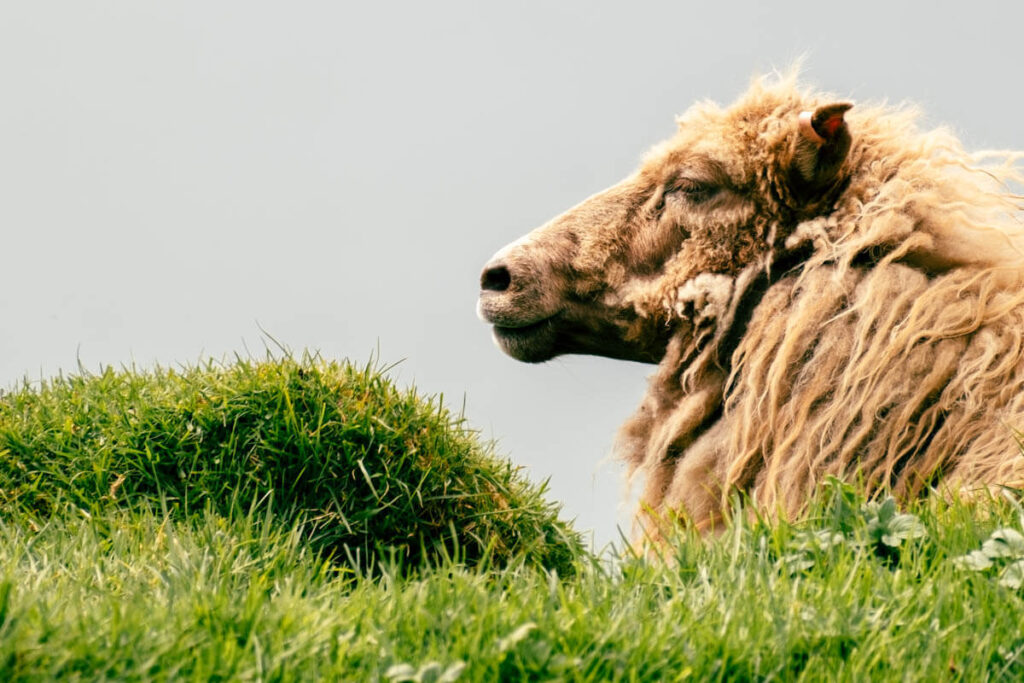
[(495, 278)]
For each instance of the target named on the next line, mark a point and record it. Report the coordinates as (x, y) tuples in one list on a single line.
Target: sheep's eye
[(694, 191)]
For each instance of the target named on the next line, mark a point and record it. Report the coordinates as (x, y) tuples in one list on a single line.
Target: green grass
[(142, 597), (177, 577), (366, 468)]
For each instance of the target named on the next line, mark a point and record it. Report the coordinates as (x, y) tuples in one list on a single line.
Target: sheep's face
[(622, 272)]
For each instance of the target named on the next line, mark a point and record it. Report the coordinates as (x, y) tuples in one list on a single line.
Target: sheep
[(827, 291)]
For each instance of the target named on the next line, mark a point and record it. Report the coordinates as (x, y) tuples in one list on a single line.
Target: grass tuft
[(367, 470)]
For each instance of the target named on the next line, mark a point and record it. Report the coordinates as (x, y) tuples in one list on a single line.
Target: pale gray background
[(175, 174)]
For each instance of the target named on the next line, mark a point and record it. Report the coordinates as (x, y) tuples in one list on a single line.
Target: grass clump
[(364, 467)]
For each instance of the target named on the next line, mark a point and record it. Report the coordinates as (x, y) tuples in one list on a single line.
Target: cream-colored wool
[(903, 372)]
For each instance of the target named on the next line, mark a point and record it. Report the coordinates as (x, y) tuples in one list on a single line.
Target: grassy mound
[(364, 467)]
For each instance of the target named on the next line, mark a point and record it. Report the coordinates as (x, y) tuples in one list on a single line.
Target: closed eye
[(692, 190)]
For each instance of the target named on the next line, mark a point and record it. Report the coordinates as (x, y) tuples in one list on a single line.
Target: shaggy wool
[(874, 332)]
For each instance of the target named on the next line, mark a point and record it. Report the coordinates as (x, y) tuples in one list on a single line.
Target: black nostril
[(496, 279)]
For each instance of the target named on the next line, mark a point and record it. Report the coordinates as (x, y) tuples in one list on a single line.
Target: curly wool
[(894, 354)]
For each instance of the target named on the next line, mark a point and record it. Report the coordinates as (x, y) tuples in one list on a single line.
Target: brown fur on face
[(849, 306)]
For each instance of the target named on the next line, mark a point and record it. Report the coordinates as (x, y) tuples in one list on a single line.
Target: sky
[(179, 180)]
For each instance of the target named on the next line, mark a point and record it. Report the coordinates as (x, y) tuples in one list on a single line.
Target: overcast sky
[(175, 175)]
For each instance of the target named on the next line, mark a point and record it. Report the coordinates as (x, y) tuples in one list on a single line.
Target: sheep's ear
[(819, 150)]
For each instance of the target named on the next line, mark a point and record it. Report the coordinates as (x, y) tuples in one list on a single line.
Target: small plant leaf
[(401, 673), (901, 528), (1012, 575), (1004, 542), (974, 561), (429, 672), (887, 510)]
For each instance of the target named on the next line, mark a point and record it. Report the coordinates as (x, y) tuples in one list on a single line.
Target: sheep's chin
[(531, 343)]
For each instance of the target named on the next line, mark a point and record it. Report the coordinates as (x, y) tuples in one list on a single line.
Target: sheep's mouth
[(521, 331), (532, 343)]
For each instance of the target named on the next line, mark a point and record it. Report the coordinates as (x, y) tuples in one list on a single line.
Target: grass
[(154, 583), (144, 597), (366, 468)]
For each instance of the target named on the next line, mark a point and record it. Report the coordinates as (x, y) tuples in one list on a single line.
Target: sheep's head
[(657, 254)]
